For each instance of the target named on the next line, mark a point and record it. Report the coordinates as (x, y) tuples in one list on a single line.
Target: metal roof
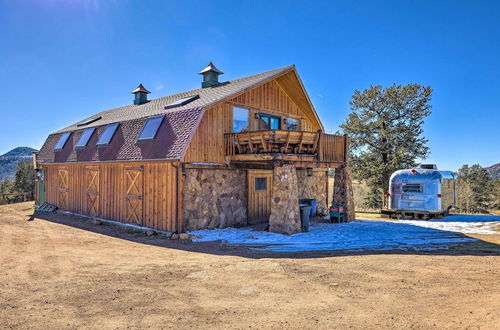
[(154, 107)]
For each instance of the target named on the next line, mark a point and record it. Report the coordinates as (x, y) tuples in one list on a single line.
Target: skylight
[(88, 121), (62, 141), (181, 102), (108, 133), (150, 128), (85, 137)]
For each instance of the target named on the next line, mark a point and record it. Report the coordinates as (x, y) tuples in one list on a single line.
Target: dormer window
[(182, 101), (150, 128), (108, 134), (88, 121), (85, 137), (62, 141)]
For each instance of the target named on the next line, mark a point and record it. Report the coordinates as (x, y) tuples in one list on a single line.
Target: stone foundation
[(285, 213), (313, 187), (214, 198), (342, 191)]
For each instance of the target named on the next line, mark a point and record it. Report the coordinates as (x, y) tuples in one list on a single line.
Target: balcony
[(325, 150)]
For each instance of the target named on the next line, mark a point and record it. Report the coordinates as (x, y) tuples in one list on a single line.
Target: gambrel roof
[(178, 125)]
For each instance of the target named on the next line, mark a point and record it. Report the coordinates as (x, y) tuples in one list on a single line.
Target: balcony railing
[(324, 147)]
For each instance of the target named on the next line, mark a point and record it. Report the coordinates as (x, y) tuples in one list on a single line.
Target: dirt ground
[(59, 271)]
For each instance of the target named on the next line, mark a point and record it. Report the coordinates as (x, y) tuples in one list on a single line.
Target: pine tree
[(497, 193), (476, 189), (385, 127), (25, 178)]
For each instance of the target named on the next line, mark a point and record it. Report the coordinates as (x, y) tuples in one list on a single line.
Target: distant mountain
[(494, 171), (9, 161)]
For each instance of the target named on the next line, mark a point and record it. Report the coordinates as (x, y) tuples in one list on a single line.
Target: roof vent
[(210, 75), (428, 166), (141, 95)]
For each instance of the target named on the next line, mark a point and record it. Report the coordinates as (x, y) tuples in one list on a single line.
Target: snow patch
[(361, 235)]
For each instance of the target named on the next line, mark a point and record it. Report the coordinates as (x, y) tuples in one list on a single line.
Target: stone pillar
[(285, 212), (342, 191)]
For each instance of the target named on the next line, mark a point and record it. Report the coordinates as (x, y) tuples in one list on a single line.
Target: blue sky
[(61, 61)]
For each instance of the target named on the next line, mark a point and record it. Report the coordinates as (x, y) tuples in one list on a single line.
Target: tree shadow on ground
[(475, 248)]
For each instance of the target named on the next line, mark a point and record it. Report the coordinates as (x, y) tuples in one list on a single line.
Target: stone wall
[(285, 213), (313, 187), (342, 191), (215, 198)]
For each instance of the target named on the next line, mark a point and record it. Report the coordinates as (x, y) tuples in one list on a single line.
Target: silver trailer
[(421, 193)]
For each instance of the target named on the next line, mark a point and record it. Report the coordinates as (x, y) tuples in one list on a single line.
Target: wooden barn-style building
[(231, 153)]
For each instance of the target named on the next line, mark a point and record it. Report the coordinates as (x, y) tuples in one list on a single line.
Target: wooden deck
[(302, 146)]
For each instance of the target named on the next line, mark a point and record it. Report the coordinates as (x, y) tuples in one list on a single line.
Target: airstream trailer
[(421, 193)]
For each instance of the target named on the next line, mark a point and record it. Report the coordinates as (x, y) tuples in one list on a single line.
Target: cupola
[(210, 75), (141, 94)]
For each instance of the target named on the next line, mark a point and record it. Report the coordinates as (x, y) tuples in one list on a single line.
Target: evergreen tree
[(497, 193), (6, 186), (385, 127), (476, 189), (25, 178)]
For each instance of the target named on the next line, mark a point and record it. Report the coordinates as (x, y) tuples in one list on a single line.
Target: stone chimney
[(210, 75), (141, 95)]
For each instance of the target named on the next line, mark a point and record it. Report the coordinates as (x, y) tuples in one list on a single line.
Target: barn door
[(133, 194), (63, 188), (259, 196), (92, 184)]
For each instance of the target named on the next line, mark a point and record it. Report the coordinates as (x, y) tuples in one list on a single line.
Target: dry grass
[(54, 275)]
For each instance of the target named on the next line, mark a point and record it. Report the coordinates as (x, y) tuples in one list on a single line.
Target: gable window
[(267, 122), (240, 119), (292, 124), (85, 137), (62, 141), (150, 128), (108, 134)]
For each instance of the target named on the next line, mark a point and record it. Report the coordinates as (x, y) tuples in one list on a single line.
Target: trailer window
[(413, 188)]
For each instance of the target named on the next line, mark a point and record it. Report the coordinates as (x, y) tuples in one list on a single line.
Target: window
[(88, 121), (182, 101), (62, 141), (85, 137), (292, 124), (108, 133), (260, 184), (240, 119), (267, 122), (413, 188), (150, 128)]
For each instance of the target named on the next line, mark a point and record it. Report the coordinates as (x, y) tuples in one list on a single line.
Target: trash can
[(314, 207), (305, 212)]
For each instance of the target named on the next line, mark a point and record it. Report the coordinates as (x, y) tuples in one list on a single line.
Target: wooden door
[(40, 186), (259, 196), (62, 188), (92, 185), (133, 194)]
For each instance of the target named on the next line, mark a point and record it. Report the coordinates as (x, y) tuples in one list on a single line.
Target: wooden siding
[(106, 189), (207, 143)]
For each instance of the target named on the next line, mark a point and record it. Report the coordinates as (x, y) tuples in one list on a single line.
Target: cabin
[(231, 153)]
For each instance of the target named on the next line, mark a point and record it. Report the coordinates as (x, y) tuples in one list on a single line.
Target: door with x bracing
[(92, 183), (133, 194)]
